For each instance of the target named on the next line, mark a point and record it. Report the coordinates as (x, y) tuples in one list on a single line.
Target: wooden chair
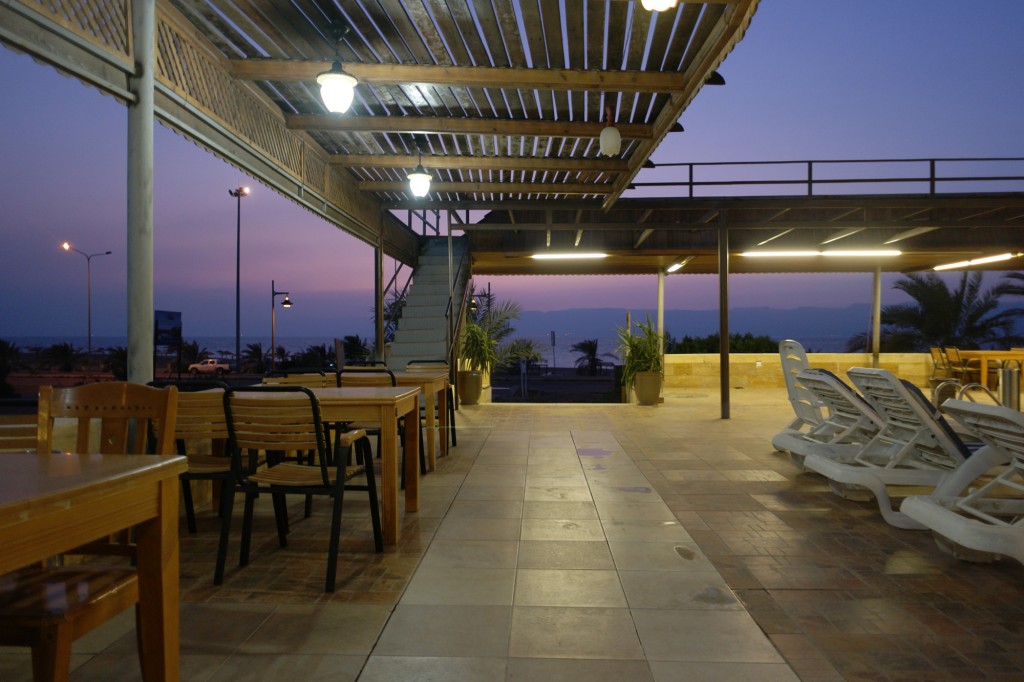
[(439, 366), (960, 367), (48, 608), (287, 419), (201, 433), (378, 376), (307, 379), (18, 433), (941, 371)]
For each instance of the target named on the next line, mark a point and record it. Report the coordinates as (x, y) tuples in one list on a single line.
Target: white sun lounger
[(988, 519), (847, 427), (808, 409), (916, 447)]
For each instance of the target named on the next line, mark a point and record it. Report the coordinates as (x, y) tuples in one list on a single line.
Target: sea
[(224, 346)]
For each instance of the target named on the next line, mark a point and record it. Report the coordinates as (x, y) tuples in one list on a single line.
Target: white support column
[(140, 195), (661, 310)]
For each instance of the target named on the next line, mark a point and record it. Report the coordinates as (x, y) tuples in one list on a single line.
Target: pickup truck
[(209, 366)]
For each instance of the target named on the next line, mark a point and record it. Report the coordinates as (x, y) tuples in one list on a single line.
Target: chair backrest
[(200, 416), (939, 361), (1001, 428), (910, 419), (805, 404), (274, 418), (18, 432), (365, 376), (127, 414), (953, 357), (307, 379), (850, 418)]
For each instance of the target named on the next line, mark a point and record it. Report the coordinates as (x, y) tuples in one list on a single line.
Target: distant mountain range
[(826, 326)]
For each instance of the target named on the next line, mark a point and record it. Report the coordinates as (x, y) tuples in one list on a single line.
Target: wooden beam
[(463, 126), (490, 187), (642, 238), (479, 162), (648, 82)]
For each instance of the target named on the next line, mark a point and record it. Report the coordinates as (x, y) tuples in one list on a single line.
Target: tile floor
[(565, 542)]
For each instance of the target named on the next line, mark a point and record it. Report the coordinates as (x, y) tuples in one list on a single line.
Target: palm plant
[(965, 316), (9, 357), (588, 361), (641, 350), (63, 355), (253, 358), (491, 320)]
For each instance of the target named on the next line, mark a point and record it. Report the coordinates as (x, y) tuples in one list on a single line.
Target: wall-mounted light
[(977, 261), (337, 88), (866, 253), (678, 265), (569, 255), (658, 5), (419, 178), (610, 141)]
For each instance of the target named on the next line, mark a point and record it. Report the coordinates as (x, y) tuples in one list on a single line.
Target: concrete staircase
[(422, 329)]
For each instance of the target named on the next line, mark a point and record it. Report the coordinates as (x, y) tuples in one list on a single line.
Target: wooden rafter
[(490, 187), (649, 82), (463, 126), (603, 164)]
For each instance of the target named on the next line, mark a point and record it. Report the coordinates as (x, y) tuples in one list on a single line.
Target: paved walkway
[(596, 542)]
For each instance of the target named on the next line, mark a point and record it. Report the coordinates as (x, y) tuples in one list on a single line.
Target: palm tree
[(252, 358), (1012, 285), (63, 355), (964, 317), (588, 361), (9, 357), (494, 318)]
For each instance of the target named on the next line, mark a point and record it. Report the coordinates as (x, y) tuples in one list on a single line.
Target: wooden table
[(983, 356), (434, 385), (384, 404), (53, 503)]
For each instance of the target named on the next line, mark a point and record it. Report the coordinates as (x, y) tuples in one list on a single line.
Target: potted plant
[(479, 353), (642, 368)]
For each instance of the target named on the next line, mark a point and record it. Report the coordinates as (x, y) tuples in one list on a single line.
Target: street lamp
[(286, 303), (88, 290), (238, 194)]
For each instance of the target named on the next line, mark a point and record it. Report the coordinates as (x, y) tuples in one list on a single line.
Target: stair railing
[(392, 315)]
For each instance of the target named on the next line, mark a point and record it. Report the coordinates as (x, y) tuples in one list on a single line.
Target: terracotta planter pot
[(647, 387), (471, 385)]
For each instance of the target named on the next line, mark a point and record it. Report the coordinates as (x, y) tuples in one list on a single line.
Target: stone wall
[(763, 370)]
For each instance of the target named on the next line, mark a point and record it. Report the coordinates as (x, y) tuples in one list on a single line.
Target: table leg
[(431, 400), (157, 544), (412, 457), (442, 414), (389, 475)]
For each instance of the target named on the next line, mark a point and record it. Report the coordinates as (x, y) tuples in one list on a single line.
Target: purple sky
[(811, 80)]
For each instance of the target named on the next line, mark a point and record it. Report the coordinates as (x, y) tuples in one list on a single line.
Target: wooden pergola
[(503, 101)]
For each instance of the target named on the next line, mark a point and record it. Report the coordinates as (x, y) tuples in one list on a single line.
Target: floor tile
[(464, 631), (554, 554), (692, 671), (678, 590), (561, 587), (659, 556), (459, 585), (318, 629), (686, 635), (562, 529), (553, 632), (471, 554), (446, 669), (569, 670)]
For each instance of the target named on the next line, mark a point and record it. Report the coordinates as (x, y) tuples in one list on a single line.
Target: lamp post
[(238, 194), (88, 291), (286, 303)]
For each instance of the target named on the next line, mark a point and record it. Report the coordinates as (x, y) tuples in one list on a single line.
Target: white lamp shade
[(419, 181), (337, 89), (611, 141), (658, 5)]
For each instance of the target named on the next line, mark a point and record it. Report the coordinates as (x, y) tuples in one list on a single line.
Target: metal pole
[(876, 315), (140, 195), (723, 312), (238, 284), (273, 325), (88, 307)]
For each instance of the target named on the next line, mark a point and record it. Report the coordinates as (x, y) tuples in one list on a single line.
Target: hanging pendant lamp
[(337, 88), (658, 5), (419, 179), (610, 140)]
